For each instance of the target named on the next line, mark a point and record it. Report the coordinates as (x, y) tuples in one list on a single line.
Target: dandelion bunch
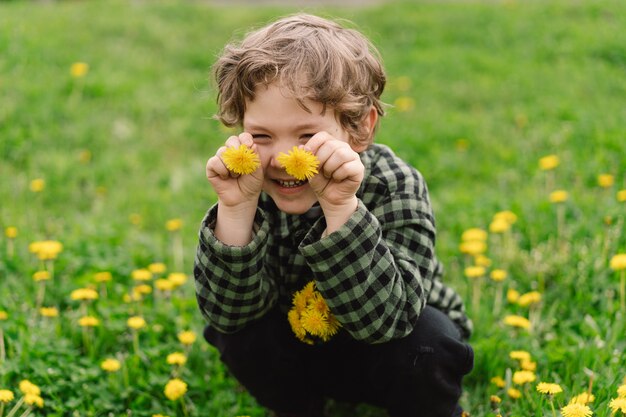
[(241, 160), (299, 163), (310, 318)]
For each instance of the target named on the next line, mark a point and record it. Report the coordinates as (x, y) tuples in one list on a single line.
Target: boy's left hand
[(340, 174)]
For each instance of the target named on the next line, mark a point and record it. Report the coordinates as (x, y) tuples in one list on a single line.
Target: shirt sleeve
[(375, 272), (230, 287)]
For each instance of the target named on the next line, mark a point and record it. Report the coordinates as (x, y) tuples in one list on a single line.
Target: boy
[(361, 228)]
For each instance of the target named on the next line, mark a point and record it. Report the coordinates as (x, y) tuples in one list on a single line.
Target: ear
[(368, 124)]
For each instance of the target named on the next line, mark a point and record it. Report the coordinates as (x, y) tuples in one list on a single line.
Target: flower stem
[(16, 407), (476, 295), (1, 409), (3, 353), (27, 412), (552, 406), (622, 290), (177, 247)]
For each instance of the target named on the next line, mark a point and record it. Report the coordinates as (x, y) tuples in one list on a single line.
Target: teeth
[(290, 184)]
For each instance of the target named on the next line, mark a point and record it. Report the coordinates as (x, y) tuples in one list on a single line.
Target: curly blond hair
[(311, 58)]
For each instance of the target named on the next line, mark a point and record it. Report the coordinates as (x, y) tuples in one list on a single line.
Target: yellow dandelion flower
[(300, 300), (293, 316), (142, 289), (241, 160), (37, 185), (6, 396), (499, 225), (528, 365), (606, 180), (517, 321), (482, 260), (498, 275), (474, 233), (514, 393), (136, 322), (135, 218), (10, 232), (173, 225), (299, 163), (618, 404), (84, 294), (473, 247), (576, 410), (506, 215), (549, 162), (79, 69), (494, 399), (558, 196), (549, 388), (174, 389), (621, 196), (176, 358), (163, 284), (523, 377), (474, 271), (618, 262), (318, 303), (46, 249), (41, 276), (177, 278), (88, 321), (32, 399), (404, 104), (314, 322), (512, 295), (110, 365), (532, 297), (584, 398), (498, 381), (103, 276), (141, 274), (520, 355), (3, 315), (157, 268), (28, 387), (332, 328), (49, 311), (621, 391), (187, 337)]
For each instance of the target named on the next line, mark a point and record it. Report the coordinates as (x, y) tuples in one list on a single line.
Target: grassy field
[(481, 91)]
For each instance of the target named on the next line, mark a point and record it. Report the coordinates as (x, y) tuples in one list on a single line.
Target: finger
[(317, 141), (233, 142), (215, 168), (246, 139), (349, 171), (339, 156)]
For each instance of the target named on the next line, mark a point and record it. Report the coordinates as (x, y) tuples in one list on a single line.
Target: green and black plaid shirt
[(376, 273)]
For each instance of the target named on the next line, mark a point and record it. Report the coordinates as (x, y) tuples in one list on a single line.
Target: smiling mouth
[(290, 183)]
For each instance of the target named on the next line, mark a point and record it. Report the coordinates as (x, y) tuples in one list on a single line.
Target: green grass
[(516, 80)]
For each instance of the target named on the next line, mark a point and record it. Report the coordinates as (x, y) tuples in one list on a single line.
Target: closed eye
[(307, 136), (260, 136)]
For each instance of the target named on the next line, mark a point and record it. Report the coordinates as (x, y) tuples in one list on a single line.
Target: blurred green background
[(479, 91)]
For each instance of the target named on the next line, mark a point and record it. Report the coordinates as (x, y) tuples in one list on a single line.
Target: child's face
[(277, 124)]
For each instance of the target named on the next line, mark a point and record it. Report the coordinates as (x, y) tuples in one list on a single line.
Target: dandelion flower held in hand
[(241, 160), (576, 410), (175, 389), (299, 163)]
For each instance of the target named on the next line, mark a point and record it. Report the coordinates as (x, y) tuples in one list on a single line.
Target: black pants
[(419, 375)]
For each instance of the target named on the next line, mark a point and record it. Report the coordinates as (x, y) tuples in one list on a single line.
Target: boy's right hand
[(234, 190)]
